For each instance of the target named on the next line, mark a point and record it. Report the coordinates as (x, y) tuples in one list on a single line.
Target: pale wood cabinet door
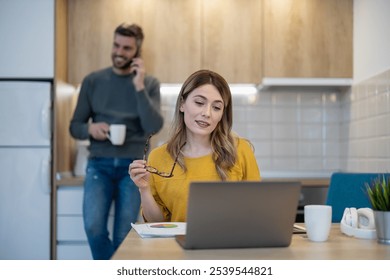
[(232, 39), (91, 25), (308, 38), (172, 38)]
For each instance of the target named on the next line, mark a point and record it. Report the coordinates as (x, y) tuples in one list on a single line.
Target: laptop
[(242, 214)]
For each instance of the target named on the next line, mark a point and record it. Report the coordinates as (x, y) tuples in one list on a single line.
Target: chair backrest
[(349, 190)]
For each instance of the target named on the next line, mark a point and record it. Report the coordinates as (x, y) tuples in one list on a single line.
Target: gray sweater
[(111, 98)]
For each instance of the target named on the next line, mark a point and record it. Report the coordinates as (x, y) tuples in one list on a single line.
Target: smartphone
[(134, 71), (137, 54)]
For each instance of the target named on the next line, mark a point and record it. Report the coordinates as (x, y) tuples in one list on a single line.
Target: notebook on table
[(244, 214)]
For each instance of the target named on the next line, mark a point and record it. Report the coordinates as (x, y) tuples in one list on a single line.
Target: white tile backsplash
[(366, 130), (310, 115), (284, 165), (310, 99), (259, 114), (284, 131), (311, 131), (332, 114), (284, 114), (310, 163), (383, 103), (262, 148), (331, 131), (310, 149), (258, 131), (285, 148)]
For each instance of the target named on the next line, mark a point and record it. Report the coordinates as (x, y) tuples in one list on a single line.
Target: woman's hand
[(151, 211), (138, 174)]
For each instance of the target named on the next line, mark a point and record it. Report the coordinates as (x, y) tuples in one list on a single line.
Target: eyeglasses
[(153, 170)]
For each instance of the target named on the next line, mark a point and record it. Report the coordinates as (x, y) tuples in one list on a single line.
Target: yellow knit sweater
[(172, 193)]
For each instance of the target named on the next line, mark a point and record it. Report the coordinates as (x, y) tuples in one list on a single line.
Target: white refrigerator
[(25, 169)]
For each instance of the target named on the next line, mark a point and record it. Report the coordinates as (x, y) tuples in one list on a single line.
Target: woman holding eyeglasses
[(202, 147)]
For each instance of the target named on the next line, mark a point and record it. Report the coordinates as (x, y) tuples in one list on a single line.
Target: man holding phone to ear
[(121, 94)]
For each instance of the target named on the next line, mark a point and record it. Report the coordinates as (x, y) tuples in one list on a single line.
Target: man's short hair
[(131, 30)]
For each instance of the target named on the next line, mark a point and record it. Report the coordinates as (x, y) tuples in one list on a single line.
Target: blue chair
[(349, 190)]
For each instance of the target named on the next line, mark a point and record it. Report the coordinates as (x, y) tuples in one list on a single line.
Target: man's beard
[(124, 66)]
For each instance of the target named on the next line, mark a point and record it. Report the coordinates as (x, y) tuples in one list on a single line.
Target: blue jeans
[(107, 180)]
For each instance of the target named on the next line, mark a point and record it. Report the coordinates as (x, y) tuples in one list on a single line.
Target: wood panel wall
[(64, 145), (91, 26)]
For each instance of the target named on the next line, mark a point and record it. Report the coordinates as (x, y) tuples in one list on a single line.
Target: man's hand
[(99, 131), (137, 67)]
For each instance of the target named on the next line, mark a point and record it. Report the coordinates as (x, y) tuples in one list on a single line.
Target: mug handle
[(109, 136)]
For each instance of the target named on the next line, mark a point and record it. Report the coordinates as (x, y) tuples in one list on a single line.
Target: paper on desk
[(163, 229)]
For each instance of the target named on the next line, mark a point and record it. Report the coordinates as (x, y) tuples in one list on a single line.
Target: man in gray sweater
[(121, 94)]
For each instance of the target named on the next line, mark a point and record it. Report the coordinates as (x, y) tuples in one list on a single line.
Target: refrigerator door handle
[(45, 176), (45, 120)]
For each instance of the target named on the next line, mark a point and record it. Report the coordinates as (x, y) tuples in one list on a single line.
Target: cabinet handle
[(45, 120)]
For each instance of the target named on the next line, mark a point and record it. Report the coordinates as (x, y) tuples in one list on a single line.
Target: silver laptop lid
[(241, 214)]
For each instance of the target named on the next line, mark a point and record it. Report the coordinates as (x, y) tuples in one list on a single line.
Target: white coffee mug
[(117, 134), (318, 221)]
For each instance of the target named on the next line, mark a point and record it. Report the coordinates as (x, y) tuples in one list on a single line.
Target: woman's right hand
[(138, 174), (151, 211)]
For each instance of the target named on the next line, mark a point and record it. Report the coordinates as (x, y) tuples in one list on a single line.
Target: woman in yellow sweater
[(202, 148)]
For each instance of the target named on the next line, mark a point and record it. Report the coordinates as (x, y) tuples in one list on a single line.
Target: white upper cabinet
[(27, 39)]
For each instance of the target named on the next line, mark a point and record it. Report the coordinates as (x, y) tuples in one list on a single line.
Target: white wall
[(371, 40)]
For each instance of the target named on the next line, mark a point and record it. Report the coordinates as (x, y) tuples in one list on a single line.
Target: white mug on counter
[(117, 134), (318, 221)]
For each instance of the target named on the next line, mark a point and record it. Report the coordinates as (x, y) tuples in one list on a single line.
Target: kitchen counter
[(306, 182), (338, 247), (70, 180), (67, 179)]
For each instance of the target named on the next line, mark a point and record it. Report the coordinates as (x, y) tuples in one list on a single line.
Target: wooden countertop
[(337, 247), (306, 182), (68, 180)]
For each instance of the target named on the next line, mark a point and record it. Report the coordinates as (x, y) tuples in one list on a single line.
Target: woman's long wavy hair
[(222, 141)]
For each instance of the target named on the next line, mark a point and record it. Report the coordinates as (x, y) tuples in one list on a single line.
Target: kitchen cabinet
[(242, 40), (27, 39), (180, 37), (217, 35), (71, 239), (172, 46), (232, 40), (308, 38)]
